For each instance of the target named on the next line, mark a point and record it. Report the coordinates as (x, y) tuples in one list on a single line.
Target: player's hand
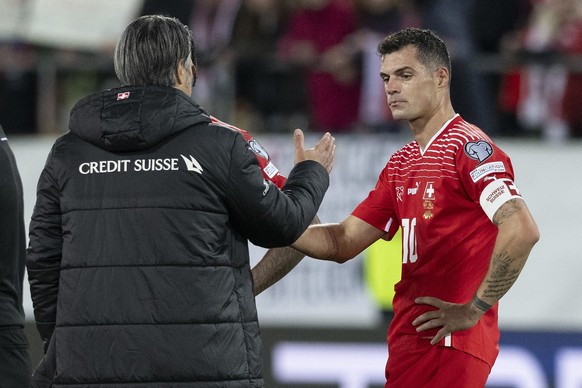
[(323, 152), (450, 317)]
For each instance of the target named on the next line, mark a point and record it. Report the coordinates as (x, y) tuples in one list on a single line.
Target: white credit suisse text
[(109, 166)]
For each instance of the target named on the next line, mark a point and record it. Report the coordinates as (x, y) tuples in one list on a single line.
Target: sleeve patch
[(258, 149), (270, 170), (486, 169), (496, 194), (478, 150)]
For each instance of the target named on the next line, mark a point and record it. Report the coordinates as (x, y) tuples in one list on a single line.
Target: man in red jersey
[(466, 230)]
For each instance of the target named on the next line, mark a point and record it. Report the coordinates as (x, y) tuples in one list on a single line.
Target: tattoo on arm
[(276, 263), (506, 210), (502, 276), (334, 244), (481, 305), (273, 267)]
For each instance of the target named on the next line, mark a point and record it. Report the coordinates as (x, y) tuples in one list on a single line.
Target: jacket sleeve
[(44, 252), (269, 217)]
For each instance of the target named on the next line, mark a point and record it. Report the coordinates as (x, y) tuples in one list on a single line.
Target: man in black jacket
[(138, 260), (15, 365)]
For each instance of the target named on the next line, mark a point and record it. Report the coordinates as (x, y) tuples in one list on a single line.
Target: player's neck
[(424, 129)]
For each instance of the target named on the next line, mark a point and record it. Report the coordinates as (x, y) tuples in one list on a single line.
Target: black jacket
[(15, 367), (12, 239), (138, 244)]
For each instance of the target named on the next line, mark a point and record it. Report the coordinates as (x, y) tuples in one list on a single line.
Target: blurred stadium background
[(324, 325)]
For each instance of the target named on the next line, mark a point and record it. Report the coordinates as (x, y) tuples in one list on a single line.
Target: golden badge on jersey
[(428, 200), (428, 206)]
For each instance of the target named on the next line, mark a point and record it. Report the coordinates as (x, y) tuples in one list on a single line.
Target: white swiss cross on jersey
[(429, 192)]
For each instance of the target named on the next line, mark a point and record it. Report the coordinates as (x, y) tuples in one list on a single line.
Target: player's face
[(411, 88)]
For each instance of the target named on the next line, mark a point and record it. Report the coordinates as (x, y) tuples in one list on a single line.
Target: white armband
[(496, 194)]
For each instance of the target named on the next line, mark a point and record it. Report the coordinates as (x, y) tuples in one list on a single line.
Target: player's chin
[(398, 114)]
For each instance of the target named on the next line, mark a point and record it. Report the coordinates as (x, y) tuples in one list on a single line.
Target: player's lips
[(395, 102)]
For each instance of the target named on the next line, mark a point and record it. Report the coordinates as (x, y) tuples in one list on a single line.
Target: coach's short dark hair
[(150, 49), (431, 50)]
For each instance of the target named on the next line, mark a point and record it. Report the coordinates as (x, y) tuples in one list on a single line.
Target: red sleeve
[(480, 162), (269, 170), (378, 209)]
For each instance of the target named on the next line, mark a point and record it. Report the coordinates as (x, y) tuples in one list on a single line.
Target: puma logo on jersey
[(192, 164), (414, 190)]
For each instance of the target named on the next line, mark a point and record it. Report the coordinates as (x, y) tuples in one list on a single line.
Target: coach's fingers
[(299, 140), (325, 151)]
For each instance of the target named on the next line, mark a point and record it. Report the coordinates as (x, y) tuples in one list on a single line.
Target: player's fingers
[(432, 324), (442, 333), (426, 317), (429, 300)]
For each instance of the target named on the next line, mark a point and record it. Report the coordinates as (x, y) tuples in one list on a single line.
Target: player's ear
[(442, 76)]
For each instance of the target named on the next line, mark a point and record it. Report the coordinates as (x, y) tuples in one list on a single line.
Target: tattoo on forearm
[(274, 267), (506, 210), (335, 246), (502, 276), (481, 305)]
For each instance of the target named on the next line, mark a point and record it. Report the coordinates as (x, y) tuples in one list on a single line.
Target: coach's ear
[(194, 75), (181, 74)]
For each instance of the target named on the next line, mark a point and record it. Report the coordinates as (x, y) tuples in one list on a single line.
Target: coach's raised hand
[(323, 152)]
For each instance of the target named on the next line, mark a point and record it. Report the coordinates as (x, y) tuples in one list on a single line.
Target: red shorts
[(436, 367)]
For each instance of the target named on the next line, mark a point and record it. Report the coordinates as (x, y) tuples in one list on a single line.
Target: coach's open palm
[(323, 152)]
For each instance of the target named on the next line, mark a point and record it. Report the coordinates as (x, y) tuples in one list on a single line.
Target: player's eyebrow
[(397, 71)]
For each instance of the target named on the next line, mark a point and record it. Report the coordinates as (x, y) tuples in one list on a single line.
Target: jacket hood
[(134, 118)]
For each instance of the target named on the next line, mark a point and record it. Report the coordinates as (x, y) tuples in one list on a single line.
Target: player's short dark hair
[(431, 50), (150, 49)]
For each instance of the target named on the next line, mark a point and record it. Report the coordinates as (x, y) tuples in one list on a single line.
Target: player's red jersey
[(444, 199), (270, 172)]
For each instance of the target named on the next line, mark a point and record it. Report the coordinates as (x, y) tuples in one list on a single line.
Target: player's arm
[(278, 262), (337, 242), (275, 265), (517, 234)]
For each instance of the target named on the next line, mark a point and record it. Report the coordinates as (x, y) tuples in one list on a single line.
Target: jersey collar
[(445, 125)]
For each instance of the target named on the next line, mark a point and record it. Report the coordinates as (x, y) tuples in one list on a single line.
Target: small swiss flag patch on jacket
[(122, 96)]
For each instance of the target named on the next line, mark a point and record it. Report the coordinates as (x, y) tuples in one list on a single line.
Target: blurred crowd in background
[(273, 65)]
